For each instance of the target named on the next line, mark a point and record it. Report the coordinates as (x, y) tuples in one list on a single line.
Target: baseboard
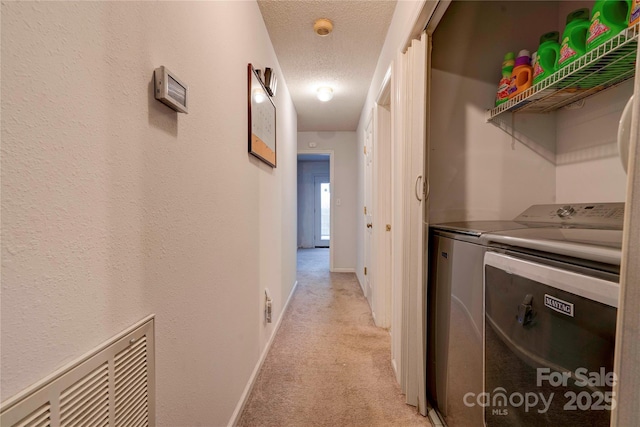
[(343, 270), (361, 286), (394, 366), (235, 417)]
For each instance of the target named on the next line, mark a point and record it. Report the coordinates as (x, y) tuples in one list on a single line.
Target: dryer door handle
[(525, 311)]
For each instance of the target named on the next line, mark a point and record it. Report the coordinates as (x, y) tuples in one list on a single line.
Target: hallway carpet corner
[(329, 364)]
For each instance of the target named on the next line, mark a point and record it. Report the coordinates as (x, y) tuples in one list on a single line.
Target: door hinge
[(365, 149), (388, 227), (365, 210), (365, 271)]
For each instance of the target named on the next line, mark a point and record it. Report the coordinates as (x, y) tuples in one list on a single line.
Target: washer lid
[(585, 243)]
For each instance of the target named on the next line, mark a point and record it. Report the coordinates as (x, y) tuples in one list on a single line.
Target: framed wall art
[(262, 120)]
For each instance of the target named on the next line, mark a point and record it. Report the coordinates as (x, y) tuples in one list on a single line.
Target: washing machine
[(550, 308), (455, 318)]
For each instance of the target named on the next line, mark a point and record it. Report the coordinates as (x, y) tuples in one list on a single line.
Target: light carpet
[(329, 365)]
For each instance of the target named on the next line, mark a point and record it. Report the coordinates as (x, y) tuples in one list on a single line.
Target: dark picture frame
[(262, 120)]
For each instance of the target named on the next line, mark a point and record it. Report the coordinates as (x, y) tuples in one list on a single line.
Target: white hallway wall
[(307, 171), (345, 188), (114, 206)]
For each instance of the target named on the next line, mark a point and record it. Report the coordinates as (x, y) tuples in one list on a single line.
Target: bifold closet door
[(413, 102)]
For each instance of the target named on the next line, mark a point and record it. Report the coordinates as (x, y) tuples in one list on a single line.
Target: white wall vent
[(112, 385)]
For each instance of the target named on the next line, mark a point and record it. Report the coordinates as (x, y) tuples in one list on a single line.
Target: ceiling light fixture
[(323, 27), (325, 93)]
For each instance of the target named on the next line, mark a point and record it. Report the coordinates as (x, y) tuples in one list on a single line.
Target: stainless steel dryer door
[(549, 338)]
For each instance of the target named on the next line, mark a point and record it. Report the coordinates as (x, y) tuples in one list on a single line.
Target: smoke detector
[(323, 27)]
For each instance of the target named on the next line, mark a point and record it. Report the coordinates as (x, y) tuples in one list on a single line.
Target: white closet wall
[(483, 170), (477, 170)]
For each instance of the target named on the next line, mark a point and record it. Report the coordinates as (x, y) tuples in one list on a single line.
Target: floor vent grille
[(113, 385)]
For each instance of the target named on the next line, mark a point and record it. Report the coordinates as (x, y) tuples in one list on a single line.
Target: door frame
[(332, 198)]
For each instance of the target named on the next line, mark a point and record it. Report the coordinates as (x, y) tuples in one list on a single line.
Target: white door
[(368, 214), (381, 199), (322, 211)]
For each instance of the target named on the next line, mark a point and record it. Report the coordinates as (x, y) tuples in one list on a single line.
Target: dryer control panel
[(596, 215)]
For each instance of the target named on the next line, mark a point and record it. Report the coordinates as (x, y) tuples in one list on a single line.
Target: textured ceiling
[(344, 60)]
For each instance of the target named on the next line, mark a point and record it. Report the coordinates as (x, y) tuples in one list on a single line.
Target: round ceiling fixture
[(323, 27), (325, 93)]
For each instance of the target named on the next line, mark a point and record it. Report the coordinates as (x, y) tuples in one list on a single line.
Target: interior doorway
[(316, 204)]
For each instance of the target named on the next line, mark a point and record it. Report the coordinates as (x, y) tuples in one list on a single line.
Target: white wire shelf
[(604, 67)]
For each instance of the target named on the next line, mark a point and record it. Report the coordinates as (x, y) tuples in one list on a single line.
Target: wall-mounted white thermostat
[(170, 90)]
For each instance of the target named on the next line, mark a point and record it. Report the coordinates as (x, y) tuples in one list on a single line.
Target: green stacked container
[(609, 18), (546, 62), (574, 38), (502, 95)]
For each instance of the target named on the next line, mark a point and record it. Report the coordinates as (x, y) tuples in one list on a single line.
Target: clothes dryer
[(551, 298)]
